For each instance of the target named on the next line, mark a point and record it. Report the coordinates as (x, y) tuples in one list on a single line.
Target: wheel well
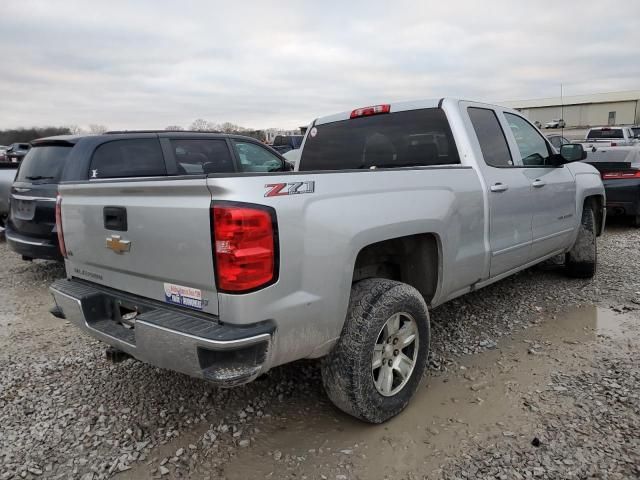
[(413, 259), (597, 204)]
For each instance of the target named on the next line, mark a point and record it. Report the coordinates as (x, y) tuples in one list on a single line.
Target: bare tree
[(228, 127), (174, 128), (97, 128), (75, 129)]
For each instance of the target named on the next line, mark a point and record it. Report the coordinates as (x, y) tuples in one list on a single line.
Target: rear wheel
[(378, 362), (636, 221), (581, 260)]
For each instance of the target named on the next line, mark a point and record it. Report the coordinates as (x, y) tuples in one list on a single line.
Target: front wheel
[(378, 362), (582, 259)]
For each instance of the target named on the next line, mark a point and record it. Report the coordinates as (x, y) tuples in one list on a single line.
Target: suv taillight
[(245, 246), (63, 248), (620, 175)]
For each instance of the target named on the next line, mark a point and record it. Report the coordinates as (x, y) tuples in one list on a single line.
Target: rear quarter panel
[(321, 234)]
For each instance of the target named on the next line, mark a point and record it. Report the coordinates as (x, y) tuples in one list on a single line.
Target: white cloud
[(151, 63)]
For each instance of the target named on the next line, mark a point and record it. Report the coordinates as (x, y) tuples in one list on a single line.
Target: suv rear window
[(403, 139), (44, 164), (606, 133), (140, 157)]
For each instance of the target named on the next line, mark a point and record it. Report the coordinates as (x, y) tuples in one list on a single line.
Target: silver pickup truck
[(392, 209)]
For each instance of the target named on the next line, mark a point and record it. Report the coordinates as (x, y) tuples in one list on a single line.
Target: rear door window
[(140, 157), (493, 143), (44, 164), (197, 156), (255, 158), (403, 139)]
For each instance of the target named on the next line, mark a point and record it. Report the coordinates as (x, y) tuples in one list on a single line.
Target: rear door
[(509, 191), (553, 189), (133, 228)]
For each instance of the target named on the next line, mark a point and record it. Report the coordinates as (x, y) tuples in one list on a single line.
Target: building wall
[(588, 114)]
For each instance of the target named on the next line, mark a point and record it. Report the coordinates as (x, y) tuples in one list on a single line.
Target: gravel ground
[(589, 429), (65, 412)]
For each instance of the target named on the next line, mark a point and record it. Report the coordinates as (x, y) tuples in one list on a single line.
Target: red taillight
[(373, 110), (61, 245), (244, 242), (620, 175)]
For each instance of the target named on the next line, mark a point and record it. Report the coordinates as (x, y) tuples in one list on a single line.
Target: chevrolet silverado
[(391, 210)]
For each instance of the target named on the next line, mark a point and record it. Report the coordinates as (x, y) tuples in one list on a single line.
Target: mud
[(480, 400)]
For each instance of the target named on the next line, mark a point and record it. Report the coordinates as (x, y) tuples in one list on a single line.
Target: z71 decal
[(293, 188)]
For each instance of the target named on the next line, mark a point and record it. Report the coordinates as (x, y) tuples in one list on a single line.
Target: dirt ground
[(501, 391)]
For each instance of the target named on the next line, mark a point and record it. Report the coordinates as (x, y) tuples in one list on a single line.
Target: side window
[(194, 156), (533, 148), (493, 143), (254, 158), (556, 141), (141, 157)]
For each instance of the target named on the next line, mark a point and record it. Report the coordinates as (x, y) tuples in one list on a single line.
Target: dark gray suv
[(31, 227)]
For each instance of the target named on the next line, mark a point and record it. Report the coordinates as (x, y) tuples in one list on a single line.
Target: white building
[(614, 108), (272, 133)]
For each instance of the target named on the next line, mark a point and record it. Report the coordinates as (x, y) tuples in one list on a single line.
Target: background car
[(30, 228), (557, 140), (555, 123), (619, 168), (16, 152), (3, 153)]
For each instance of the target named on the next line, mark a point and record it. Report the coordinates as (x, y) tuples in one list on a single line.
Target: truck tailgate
[(150, 238)]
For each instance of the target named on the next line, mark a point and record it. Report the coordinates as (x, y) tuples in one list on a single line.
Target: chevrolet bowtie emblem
[(118, 245)]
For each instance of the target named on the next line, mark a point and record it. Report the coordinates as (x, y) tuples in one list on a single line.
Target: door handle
[(499, 187), (538, 184)]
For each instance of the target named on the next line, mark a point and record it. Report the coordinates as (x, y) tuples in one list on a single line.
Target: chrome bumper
[(166, 337)]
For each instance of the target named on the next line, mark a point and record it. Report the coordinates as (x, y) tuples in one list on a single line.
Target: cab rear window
[(141, 157), (44, 164), (606, 133), (403, 139)]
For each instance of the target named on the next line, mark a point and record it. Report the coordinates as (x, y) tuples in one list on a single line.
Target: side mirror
[(572, 152)]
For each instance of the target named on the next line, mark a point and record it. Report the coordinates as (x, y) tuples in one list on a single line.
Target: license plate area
[(23, 209)]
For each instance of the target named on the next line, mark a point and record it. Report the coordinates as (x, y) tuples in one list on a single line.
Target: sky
[(149, 64)]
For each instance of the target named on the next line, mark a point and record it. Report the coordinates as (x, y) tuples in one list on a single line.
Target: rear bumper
[(167, 337), (33, 247), (623, 196)]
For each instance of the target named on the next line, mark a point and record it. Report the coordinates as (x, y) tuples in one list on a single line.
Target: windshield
[(606, 133), (44, 164), (403, 139)]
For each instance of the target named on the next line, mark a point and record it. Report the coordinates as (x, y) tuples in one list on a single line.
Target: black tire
[(347, 372), (582, 259), (635, 221)]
